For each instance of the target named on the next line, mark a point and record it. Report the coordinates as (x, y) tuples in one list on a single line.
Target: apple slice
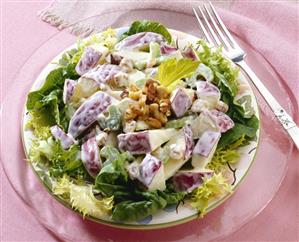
[(180, 150), (188, 180), (65, 140), (68, 90), (88, 112), (145, 141), (90, 156), (150, 172), (89, 60), (205, 148), (103, 73), (180, 102), (139, 40)]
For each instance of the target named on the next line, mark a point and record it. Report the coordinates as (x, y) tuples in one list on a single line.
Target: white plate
[(170, 215)]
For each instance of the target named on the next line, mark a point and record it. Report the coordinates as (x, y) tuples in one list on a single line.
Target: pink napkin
[(272, 29), (269, 28)]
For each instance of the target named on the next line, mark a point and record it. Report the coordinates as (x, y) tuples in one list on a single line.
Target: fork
[(217, 34)]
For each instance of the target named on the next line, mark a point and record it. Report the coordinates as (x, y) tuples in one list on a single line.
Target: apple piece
[(208, 92), (205, 148), (223, 121), (90, 156), (189, 142), (166, 49), (152, 173), (205, 121), (88, 60), (65, 140), (68, 90), (139, 41), (103, 73), (188, 180), (145, 141), (88, 112), (180, 102), (180, 150), (190, 53)]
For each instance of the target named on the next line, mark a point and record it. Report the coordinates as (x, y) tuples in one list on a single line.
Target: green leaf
[(136, 210), (173, 70), (248, 130), (148, 26), (224, 72)]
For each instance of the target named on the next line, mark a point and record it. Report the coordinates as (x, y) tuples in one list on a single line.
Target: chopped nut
[(129, 114), (162, 92), (154, 111), (155, 123), (165, 106)]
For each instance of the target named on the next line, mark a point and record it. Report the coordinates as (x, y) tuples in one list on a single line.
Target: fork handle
[(283, 117)]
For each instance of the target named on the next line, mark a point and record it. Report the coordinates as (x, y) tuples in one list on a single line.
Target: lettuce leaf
[(47, 101), (172, 71), (225, 74), (226, 78), (144, 204), (82, 198), (148, 26), (59, 161), (211, 188)]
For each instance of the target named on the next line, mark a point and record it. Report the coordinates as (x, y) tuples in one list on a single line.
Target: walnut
[(154, 123), (154, 112), (162, 92), (164, 105), (153, 105), (129, 114)]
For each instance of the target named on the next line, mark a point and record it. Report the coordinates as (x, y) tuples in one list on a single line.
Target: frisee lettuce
[(212, 187), (172, 71), (224, 155), (225, 74), (82, 198)]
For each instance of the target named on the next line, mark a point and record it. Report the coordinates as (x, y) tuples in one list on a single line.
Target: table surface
[(22, 33)]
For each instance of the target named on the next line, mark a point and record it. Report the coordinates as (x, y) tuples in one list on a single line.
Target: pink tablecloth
[(22, 34)]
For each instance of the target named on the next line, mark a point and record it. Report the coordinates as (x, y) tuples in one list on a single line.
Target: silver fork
[(218, 35)]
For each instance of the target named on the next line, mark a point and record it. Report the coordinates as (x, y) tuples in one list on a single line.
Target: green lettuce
[(226, 78), (60, 161), (225, 74), (147, 26), (144, 204)]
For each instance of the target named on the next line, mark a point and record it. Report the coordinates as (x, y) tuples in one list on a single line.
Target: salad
[(128, 124)]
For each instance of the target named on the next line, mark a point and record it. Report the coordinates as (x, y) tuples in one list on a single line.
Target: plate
[(250, 199), (171, 215)]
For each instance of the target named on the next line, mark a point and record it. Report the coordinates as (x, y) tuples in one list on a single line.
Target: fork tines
[(213, 28)]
